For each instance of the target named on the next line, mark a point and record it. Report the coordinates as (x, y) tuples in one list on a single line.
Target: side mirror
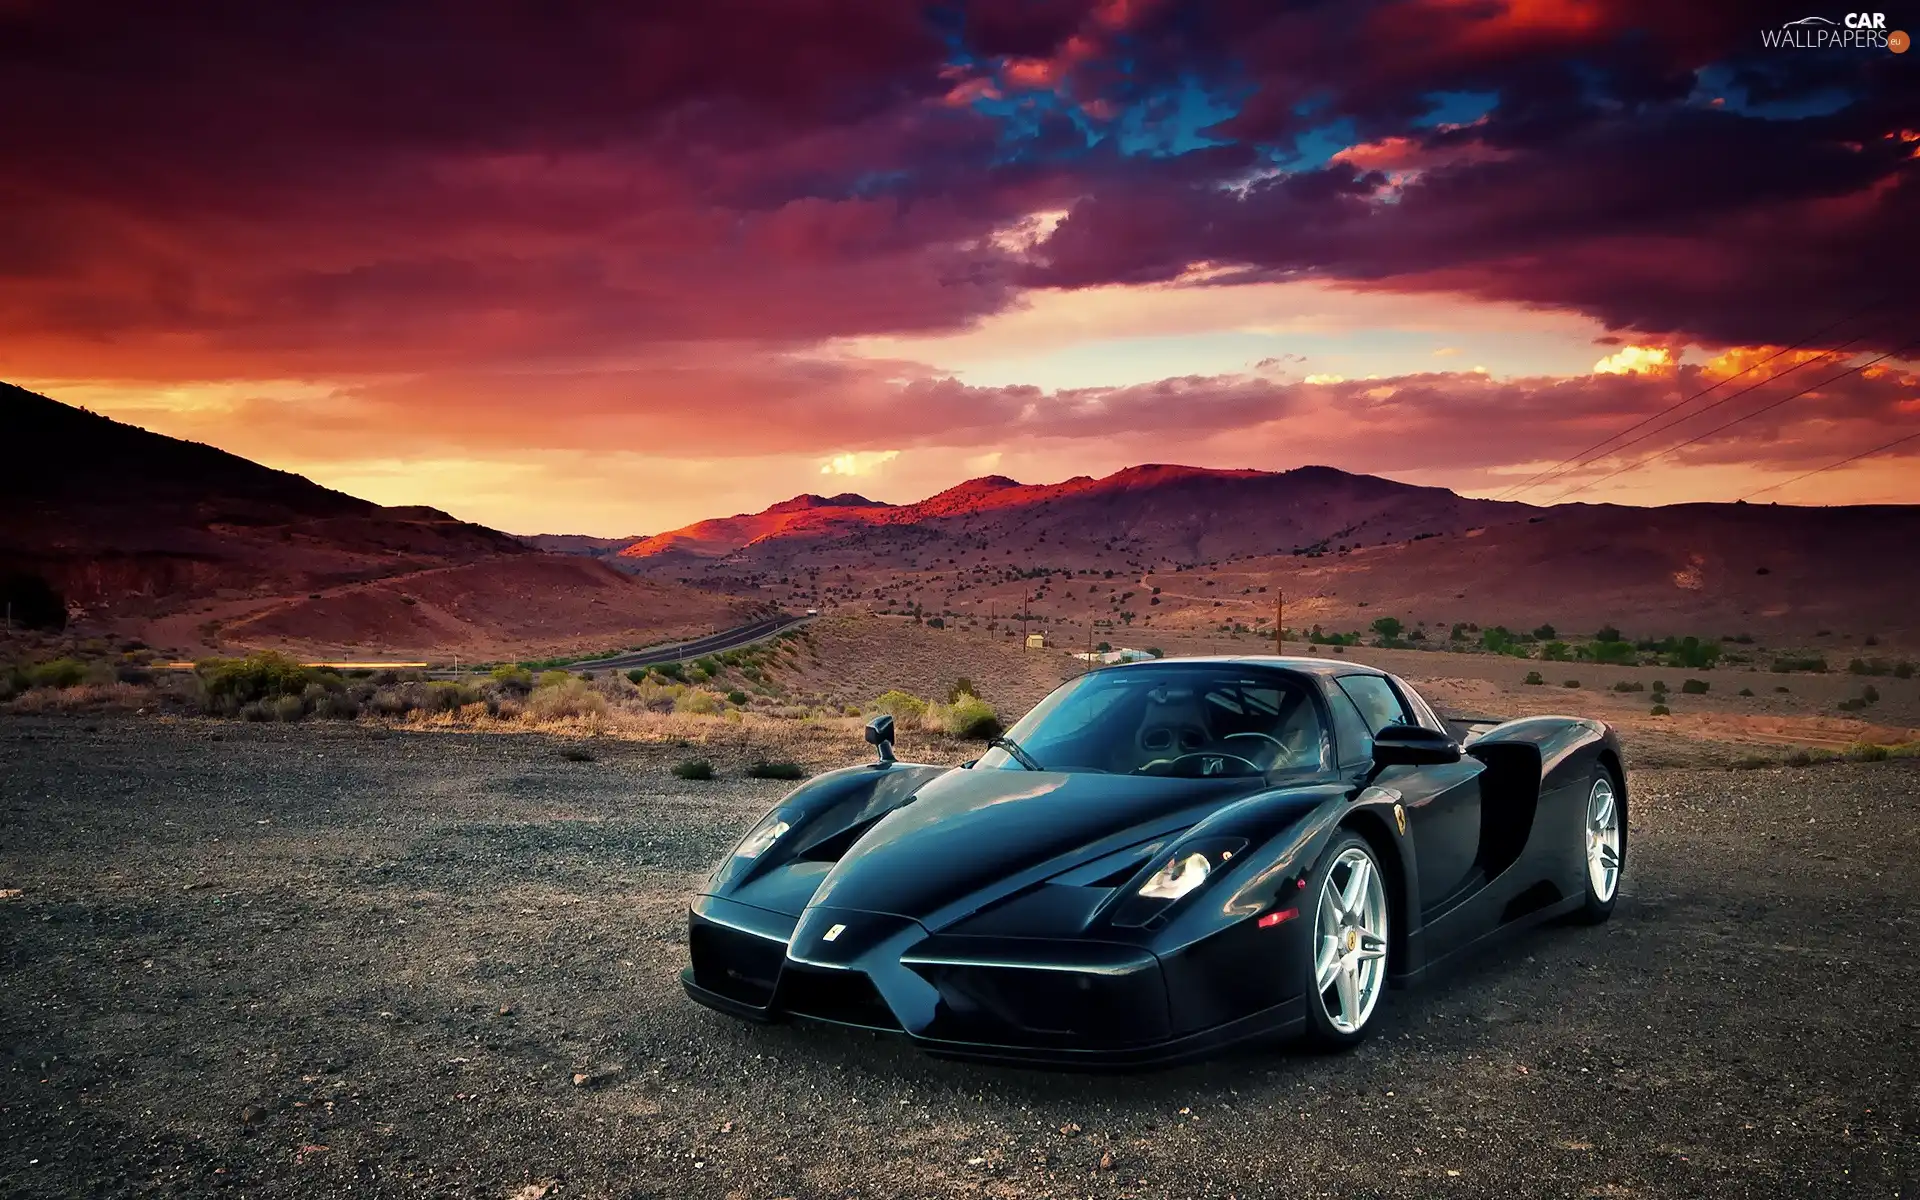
[(1413, 746), (880, 736)]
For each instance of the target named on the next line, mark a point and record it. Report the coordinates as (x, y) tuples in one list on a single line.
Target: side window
[(1354, 740), (1423, 713), (1375, 699)]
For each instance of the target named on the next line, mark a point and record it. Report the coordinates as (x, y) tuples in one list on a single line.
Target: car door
[(1442, 801)]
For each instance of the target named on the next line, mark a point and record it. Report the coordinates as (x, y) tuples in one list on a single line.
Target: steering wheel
[(1252, 767), (1285, 754)]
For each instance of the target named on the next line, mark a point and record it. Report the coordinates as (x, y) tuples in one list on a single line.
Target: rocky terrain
[(301, 961)]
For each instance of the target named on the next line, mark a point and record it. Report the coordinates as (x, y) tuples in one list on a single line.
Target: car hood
[(971, 836)]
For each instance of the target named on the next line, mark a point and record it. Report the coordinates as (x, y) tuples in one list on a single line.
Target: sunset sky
[(580, 268)]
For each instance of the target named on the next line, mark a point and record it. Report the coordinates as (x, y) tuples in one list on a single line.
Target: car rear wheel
[(1605, 849), (1348, 964)]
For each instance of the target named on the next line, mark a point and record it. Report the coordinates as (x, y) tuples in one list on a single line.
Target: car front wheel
[(1605, 848), (1349, 959)]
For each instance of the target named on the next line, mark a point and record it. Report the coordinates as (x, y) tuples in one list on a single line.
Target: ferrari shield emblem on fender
[(833, 933), (1400, 818)]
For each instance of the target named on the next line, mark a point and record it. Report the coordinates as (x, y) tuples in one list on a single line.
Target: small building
[(1036, 641), (1118, 655)]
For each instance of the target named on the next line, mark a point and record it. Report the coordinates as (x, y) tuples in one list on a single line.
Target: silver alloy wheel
[(1350, 955), (1603, 840)]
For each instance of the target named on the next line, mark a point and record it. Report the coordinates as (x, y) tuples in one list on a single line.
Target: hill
[(1175, 549), (525, 606), (1792, 576), (195, 549), (802, 516), (122, 519), (1146, 514), (581, 544)]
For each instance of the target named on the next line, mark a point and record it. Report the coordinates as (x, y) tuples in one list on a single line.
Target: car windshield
[(1203, 719)]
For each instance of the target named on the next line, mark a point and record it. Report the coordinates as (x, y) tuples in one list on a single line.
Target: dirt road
[(294, 961)]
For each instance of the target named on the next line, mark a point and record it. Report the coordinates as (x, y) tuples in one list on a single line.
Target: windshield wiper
[(1020, 756)]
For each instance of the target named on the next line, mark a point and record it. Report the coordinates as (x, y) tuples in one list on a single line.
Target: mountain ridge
[(1171, 509), (191, 547)]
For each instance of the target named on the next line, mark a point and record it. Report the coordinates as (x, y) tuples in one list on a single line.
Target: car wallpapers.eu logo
[(1855, 31)]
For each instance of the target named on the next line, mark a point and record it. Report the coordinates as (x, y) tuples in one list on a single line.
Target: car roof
[(1307, 666)]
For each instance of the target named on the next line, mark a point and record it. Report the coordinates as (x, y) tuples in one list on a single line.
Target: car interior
[(1195, 725)]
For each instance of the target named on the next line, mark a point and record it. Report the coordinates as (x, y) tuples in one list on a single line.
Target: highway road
[(713, 643)]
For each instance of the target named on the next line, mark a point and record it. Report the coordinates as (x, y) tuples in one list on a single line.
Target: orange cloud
[(1635, 360), (767, 424), (1407, 154)]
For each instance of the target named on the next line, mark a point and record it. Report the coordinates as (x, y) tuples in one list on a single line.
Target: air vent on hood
[(1119, 876), (834, 846)]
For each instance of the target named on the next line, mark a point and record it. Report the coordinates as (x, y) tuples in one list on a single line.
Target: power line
[(1580, 458), (1765, 408), (1727, 399), (1830, 466)]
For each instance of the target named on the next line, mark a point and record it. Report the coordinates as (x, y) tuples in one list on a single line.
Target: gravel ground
[(294, 961)]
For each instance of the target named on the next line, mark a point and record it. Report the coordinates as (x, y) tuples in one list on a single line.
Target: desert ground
[(303, 960), (852, 658)]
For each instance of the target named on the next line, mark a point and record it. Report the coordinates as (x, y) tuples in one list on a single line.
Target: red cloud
[(1459, 422), (583, 225)]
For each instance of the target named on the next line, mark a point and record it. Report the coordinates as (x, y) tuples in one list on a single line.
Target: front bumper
[(1020, 1000)]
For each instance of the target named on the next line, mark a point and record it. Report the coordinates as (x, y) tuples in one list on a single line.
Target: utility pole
[(1279, 621)]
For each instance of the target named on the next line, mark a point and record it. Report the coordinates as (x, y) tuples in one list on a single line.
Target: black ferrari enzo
[(1160, 859)]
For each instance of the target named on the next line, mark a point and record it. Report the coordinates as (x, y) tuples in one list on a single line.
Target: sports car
[(1161, 859)]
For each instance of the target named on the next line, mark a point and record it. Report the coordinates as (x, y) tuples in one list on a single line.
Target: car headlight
[(764, 835), (1181, 874)]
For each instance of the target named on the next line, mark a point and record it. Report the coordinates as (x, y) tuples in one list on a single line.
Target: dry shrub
[(334, 706), (513, 678), (904, 707), (968, 717), (699, 703), (658, 697), (573, 699), (776, 770), (85, 697), (1807, 757), (233, 683), (388, 702), (58, 673), (973, 719), (447, 696)]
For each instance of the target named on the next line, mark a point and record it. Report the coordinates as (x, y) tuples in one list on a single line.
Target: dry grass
[(804, 699), (86, 697), (851, 659), (813, 741)]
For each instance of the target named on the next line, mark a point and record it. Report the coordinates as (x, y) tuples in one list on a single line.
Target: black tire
[(1322, 1033), (1597, 908)]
